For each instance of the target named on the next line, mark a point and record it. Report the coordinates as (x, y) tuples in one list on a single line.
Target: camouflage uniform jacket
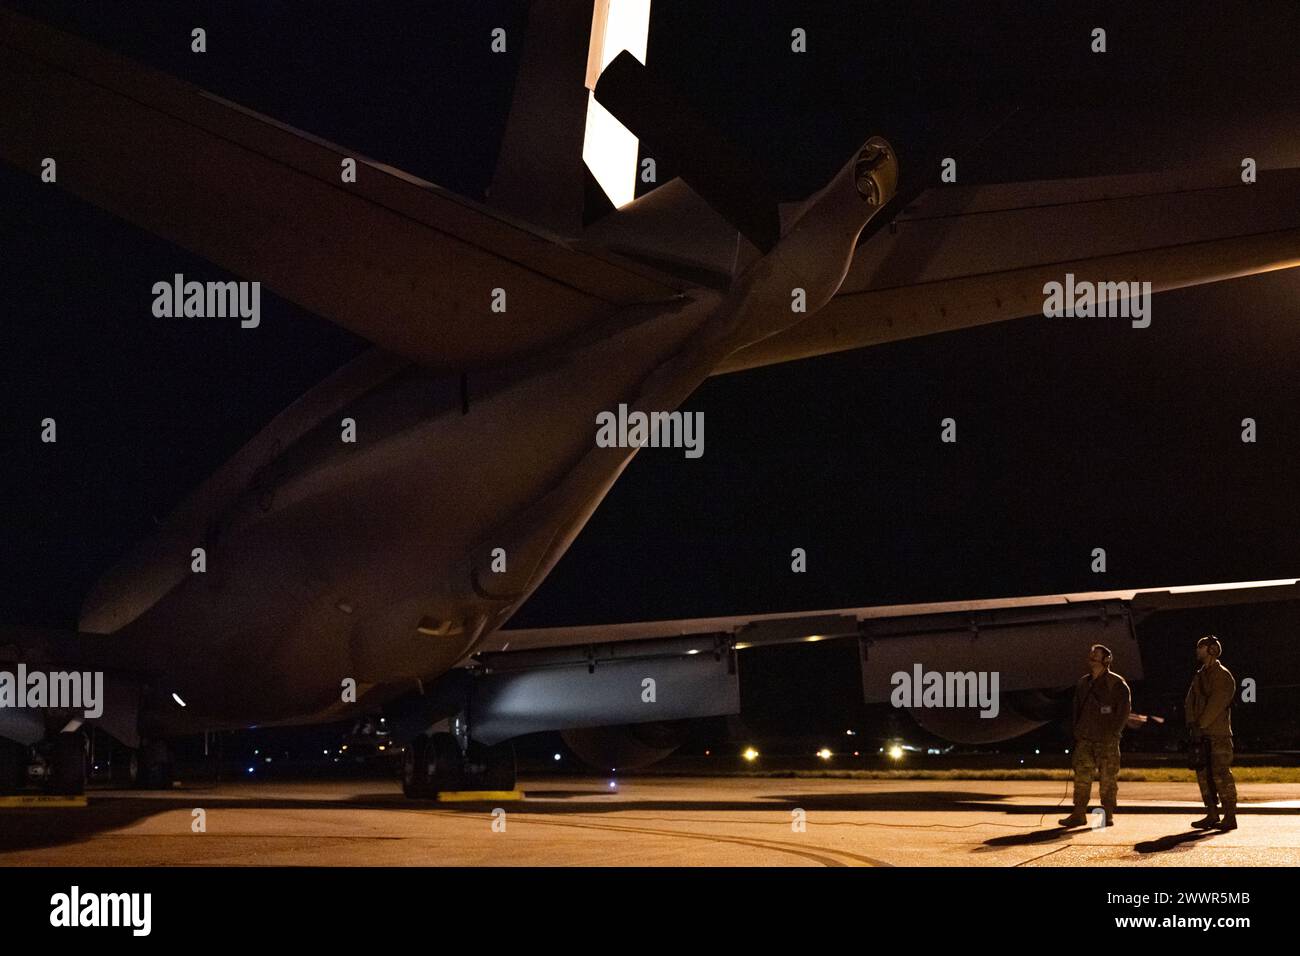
[(1101, 706), (1209, 701)]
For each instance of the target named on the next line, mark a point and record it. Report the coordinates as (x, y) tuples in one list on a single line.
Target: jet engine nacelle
[(985, 676), (1018, 713), (630, 747)]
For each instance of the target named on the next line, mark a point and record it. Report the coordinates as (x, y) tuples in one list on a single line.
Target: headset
[(1212, 644)]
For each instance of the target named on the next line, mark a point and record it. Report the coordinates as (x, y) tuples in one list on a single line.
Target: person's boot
[(1229, 817), (1110, 815), (1208, 822), (1079, 815)]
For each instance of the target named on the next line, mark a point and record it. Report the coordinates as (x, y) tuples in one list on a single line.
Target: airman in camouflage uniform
[(1208, 710), (1101, 707)]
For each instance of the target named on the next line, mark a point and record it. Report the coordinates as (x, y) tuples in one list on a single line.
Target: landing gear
[(67, 771), (154, 768), (490, 768), (412, 764), (434, 764), (13, 766), (431, 764), (124, 766)]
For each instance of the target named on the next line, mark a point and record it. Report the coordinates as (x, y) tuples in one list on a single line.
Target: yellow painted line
[(477, 796), (41, 800)]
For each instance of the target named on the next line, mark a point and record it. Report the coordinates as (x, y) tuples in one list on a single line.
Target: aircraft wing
[(392, 258), (532, 679), (752, 630), (961, 256)]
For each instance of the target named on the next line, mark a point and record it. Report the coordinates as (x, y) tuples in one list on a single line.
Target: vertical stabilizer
[(558, 139)]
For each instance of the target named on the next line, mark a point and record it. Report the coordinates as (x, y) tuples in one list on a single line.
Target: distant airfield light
[(383, 746), (1067, 750), (850, 733), (896, 752), (855, 753), (557, 756), (613, 785), (824, 753), (250, 769), (177, 697), (692, 651), (1037, 751), (344, 747), (750, 754)]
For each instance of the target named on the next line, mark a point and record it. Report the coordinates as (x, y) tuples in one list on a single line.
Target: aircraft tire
[(124, 766), (13, 766), (68, 765), (154, 771), (415, 776)]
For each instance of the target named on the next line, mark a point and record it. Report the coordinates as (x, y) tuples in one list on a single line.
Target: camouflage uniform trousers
[(1099, 760), (1221, 772)]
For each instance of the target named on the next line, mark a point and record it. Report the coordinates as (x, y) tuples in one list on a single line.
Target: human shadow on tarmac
[(1175, 841), (1029, 838), (1164, 844)]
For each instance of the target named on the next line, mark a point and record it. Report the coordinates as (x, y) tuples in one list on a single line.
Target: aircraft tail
[(564, 160)]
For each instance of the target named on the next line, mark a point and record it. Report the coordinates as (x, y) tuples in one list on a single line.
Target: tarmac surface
[(649, 821)]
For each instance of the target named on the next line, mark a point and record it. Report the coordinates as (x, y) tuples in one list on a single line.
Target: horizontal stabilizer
[(394, 259), (962, 256)]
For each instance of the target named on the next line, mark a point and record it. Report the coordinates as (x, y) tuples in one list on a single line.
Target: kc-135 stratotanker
[(313, 579)]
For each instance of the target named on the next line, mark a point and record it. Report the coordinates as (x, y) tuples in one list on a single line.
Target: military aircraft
[(366, 550)]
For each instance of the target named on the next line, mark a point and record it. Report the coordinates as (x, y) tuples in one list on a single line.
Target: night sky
[(1073, 434)]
